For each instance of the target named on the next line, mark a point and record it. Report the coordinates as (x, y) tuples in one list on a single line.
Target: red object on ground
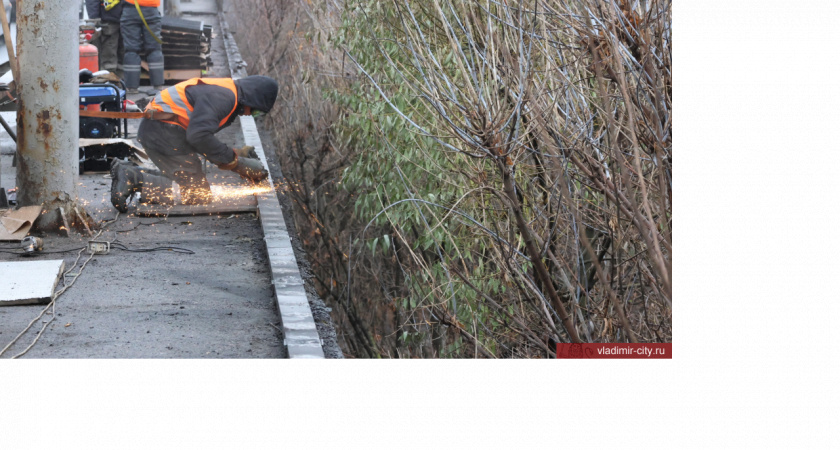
[(88, 57), (614, 351)]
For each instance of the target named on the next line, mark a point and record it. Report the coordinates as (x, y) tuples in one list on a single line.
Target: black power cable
[(115, 245), (43, 253), (121, 246)]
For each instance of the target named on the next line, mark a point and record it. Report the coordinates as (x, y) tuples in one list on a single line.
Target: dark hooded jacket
[(211, 104), (257, 91)]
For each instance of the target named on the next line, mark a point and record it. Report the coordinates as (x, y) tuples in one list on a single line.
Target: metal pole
[(48, 105)]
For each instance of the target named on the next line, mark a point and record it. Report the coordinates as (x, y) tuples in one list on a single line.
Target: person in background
[(109, 42), (137, 38), (11, 8)]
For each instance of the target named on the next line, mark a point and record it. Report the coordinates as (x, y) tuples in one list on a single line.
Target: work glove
[(245, 152), (250, 169)]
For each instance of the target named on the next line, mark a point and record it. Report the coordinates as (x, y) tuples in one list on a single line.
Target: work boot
[(195, 189), (126, 179)]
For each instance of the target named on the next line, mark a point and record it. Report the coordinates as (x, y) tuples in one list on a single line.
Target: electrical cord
[(51, 306), (114, 245), (143, 223), (22, 253), (120, 246)]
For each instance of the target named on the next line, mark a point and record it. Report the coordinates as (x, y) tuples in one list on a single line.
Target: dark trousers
[(110, 46), (137, 40), (167, 147)]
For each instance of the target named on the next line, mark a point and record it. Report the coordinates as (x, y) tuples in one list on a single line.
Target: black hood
[(257, 91)]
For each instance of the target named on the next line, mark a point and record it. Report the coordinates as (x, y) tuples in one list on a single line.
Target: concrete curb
[(299, 331)]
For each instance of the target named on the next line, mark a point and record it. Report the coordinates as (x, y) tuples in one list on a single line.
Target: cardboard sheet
[(15, 223)]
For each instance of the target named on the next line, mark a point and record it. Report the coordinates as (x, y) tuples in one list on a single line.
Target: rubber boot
[(157, 189), (155, 61), (131, 70), (126, 179), (195, 189)]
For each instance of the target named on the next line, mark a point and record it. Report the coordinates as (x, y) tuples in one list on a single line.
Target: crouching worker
[(180, 125)]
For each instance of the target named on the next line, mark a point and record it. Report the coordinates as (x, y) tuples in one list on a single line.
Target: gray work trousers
[(137, 40), (110, 46), (167, 147)]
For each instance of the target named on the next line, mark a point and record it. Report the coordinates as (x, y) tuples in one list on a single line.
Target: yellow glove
[(110, 4)]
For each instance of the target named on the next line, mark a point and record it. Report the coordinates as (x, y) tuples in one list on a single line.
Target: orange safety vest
[(154, 3), (174, 100)]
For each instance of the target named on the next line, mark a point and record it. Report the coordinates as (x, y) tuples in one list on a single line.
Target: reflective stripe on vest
[(174, 99), (152, 3)]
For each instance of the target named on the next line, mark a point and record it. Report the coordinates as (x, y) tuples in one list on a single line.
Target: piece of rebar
[(8, 129)]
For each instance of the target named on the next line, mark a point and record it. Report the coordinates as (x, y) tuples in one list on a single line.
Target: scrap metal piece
[(95, 154), (32, 245)]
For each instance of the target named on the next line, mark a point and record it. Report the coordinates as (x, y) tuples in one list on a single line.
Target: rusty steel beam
[(48, 105)]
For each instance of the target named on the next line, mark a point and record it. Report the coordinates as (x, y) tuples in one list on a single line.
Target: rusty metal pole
[(48, 108)]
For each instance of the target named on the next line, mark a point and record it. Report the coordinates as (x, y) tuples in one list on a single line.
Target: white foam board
[(29, 282)]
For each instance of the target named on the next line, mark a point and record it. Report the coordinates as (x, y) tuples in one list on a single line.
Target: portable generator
[(101, 97)]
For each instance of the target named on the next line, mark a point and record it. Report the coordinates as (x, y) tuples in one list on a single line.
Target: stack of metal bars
[(186, 47)]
